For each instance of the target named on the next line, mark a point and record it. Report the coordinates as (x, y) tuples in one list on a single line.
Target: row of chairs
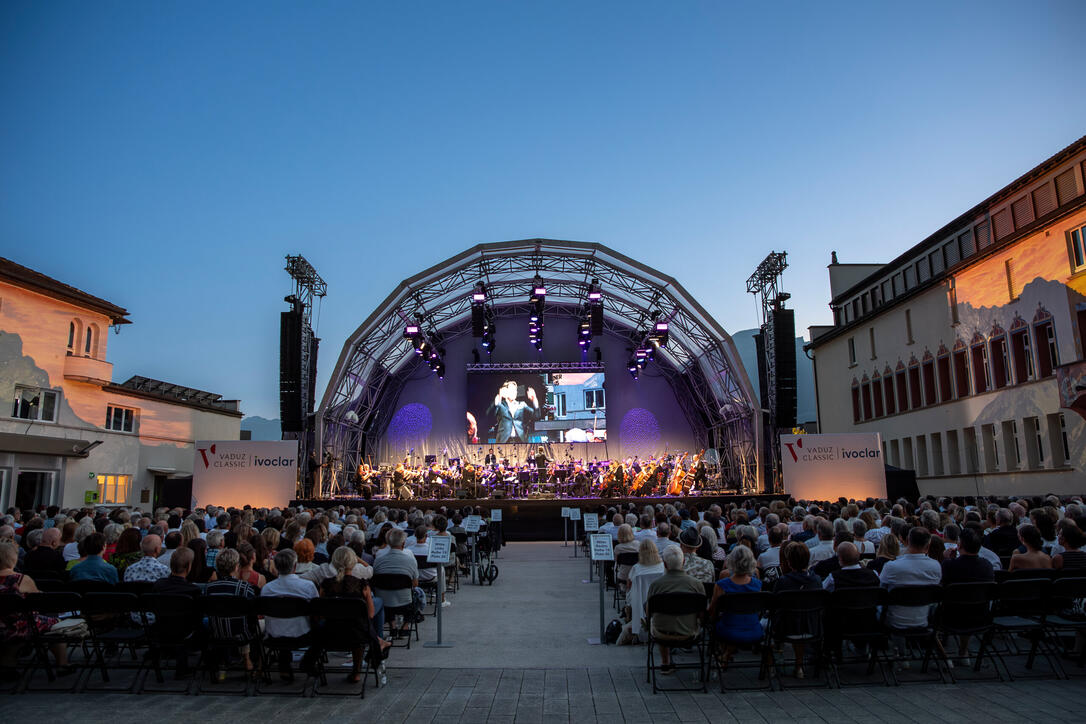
[(997, 615), (128, 619)]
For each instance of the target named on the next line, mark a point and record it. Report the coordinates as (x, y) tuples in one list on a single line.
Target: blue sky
[(166, 156)]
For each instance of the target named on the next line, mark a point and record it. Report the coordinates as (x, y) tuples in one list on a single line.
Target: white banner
[(827, 467), (245, 472)]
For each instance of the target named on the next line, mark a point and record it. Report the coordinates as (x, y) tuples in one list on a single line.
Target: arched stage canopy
[(699, 361)]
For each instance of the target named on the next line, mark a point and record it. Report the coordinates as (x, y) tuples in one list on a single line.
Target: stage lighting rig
[(425, 346), (535, 315)]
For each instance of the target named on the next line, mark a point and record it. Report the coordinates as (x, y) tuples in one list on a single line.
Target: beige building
[(69, 432), (952, 350)]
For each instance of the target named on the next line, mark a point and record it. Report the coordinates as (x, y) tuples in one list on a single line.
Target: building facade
[(70, 434), (952, 351)]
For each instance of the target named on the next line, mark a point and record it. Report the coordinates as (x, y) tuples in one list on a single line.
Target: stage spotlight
[(661, 335), (411, 331), (440, 370), (632, 366)]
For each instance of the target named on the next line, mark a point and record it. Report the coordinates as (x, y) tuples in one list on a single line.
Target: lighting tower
[(776, 354), (298, 357)]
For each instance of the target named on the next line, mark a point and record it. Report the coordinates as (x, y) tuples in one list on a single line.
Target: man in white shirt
[(823, 549), (647, 531), (914, 568), (772, 556), (771, 521), (421, 547), (662, 541), (611, 526), (288, 584)]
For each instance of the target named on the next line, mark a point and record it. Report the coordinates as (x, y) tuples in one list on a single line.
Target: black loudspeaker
[(314, 343), (478, 320), (596, 320), (461, 494), (291, 414), (784, 342), (763, 382), (497, 494)]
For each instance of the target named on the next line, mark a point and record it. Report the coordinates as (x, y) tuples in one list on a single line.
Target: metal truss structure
[(700, 361), (765, 283), (308, 285)]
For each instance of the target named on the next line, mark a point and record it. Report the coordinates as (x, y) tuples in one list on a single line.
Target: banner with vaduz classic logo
[(245, 472), (828, 466)]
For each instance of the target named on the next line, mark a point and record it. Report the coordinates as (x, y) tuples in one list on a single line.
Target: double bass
[(676, 487)]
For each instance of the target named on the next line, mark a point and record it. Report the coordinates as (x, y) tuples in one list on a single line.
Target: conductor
[(513, 418)]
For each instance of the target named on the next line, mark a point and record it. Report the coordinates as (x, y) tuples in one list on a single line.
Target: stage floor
[(527, 519)]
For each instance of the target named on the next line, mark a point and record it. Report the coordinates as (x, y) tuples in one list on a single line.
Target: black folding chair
[(677, 604), (137, 587), (112, 630), (282, 648), (224, 614), (965, 612), (1021, 610), (13, 609), (623, 559), (429, 587), (755, 603), (170, 628), (336, 614), (60, 604), (797, 620), (923, 635), (392, 582), (853, 616), (1060, 620)]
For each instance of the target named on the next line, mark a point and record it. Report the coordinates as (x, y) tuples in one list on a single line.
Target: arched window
[(1000, 364), (979, 351), (888, 390), (855, 401), (876, 393), (942, 368), (916, 399), (902, 387), (1044, 332), (74, 328), (1021, 350), (865, 396), (90, 347), (961, 368), (928, 373)]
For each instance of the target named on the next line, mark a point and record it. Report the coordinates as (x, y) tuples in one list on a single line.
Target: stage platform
[(529, 519)]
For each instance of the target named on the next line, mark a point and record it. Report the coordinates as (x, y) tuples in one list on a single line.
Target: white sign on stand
[(440, 549), (602, 550), (574, 513), (825, 466), (471, 524), (496, 515), (565, 512), (591, 522)]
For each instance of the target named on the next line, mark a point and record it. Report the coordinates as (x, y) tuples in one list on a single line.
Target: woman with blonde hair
[(649, 567), (360, 632), (889, 549), (626, 544), (189, 532)]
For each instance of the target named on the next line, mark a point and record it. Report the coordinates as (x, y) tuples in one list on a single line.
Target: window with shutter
[(968, 246), (1003, 223), (984, 239), (1023, 211), (1066, 186), (1044, 200)]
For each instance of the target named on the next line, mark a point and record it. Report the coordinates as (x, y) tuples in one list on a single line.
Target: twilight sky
[(166, 156)]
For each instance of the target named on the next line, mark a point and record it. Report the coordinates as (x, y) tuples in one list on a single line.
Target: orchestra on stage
[(540, 477)]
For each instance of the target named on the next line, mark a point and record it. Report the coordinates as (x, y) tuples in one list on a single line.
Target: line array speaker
[(784, 340), (291, 414)]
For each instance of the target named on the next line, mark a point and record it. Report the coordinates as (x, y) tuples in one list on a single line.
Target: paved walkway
[(521, 656)]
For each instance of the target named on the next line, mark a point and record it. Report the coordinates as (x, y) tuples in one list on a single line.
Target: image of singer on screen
[(511, 418)]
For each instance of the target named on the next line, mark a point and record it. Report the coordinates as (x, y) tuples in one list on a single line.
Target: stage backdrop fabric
[(828, 466), (245, 472)]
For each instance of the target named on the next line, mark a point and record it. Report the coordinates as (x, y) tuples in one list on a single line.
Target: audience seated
[(667, 628)]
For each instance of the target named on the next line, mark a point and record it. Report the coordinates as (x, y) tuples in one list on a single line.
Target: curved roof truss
[(700, 360)]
